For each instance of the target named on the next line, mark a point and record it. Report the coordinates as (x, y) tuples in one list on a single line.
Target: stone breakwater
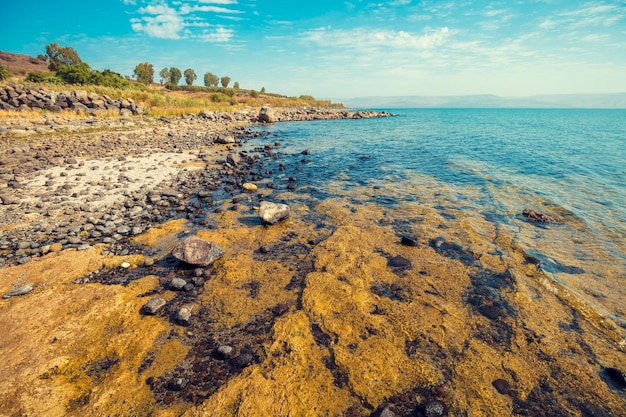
[(26, 98)]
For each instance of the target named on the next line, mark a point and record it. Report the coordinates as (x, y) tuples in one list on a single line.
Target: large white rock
[(272, 213)]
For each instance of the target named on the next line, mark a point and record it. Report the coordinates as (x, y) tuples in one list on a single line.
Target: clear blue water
[(487, 165)]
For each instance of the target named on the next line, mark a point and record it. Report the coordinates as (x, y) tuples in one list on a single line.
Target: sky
[(343, 49)]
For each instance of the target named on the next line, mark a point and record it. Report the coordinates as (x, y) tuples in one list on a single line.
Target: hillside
[(19, 64)]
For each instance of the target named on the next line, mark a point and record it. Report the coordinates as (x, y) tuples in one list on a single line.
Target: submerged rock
[(617, 376), (196, 251), (535, 216), (272, 213), (409, 240)]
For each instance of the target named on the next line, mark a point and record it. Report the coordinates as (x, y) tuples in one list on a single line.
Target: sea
[(475, 171)]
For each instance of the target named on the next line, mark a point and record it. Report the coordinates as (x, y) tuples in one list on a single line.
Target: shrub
[(77, 74), (43, 77), (4, 73)]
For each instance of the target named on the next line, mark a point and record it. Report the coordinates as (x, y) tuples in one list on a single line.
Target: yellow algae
[(359, 332), (292, 380), (74, 349), (166, 356), (243, 287), (161, 237)]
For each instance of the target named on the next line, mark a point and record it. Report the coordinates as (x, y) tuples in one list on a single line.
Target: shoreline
[(325, 313), (142, 164)]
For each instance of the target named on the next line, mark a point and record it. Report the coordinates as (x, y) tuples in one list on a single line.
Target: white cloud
[(179, 20), (363, 38), (219, 35), (186, 9), (163, 22)]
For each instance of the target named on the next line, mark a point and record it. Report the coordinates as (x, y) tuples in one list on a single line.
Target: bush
[(77, 74), (4, 73), (43, 77)]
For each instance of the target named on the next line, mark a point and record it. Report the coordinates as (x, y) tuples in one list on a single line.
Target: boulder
[(225, 139), (272, 213), (196, 251), (267, 115)]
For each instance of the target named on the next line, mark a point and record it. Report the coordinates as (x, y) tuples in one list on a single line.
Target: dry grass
[(160, 102)]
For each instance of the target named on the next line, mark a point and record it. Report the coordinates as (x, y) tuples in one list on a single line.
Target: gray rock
[(387, 413), (183, 316), (196, 251), (177, 284), (153, 306), (225, 351), (225, 139), (233, 159), (272, 213), (23, 290), (267, 115)]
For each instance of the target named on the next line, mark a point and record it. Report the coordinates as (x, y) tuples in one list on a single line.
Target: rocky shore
[(165, 267), (122, 176), (22, 98)]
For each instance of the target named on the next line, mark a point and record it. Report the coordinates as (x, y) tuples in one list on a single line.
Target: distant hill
[(19, 64), (607, 101)]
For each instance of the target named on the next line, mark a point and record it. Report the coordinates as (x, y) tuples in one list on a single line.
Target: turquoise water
[(477, 166)]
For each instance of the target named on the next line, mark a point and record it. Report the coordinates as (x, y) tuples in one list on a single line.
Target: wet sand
[(327, 314)]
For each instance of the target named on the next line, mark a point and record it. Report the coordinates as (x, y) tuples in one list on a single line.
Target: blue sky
[(344, 49)]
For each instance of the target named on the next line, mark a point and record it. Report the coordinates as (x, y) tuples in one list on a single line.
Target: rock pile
[(25, 98)]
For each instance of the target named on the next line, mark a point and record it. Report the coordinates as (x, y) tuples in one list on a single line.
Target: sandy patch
[(101, 183)]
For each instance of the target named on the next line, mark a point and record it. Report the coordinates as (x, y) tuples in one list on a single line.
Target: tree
[(175, 75), (190, 75), (262, 90), (236, 85), (61, 56), (165, 75), (211, 79), (225, 81), (144, 72)]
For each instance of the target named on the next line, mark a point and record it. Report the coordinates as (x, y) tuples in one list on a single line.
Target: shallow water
[(475, 166)]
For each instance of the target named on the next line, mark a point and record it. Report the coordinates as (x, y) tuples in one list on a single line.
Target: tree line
[(144, 73)]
